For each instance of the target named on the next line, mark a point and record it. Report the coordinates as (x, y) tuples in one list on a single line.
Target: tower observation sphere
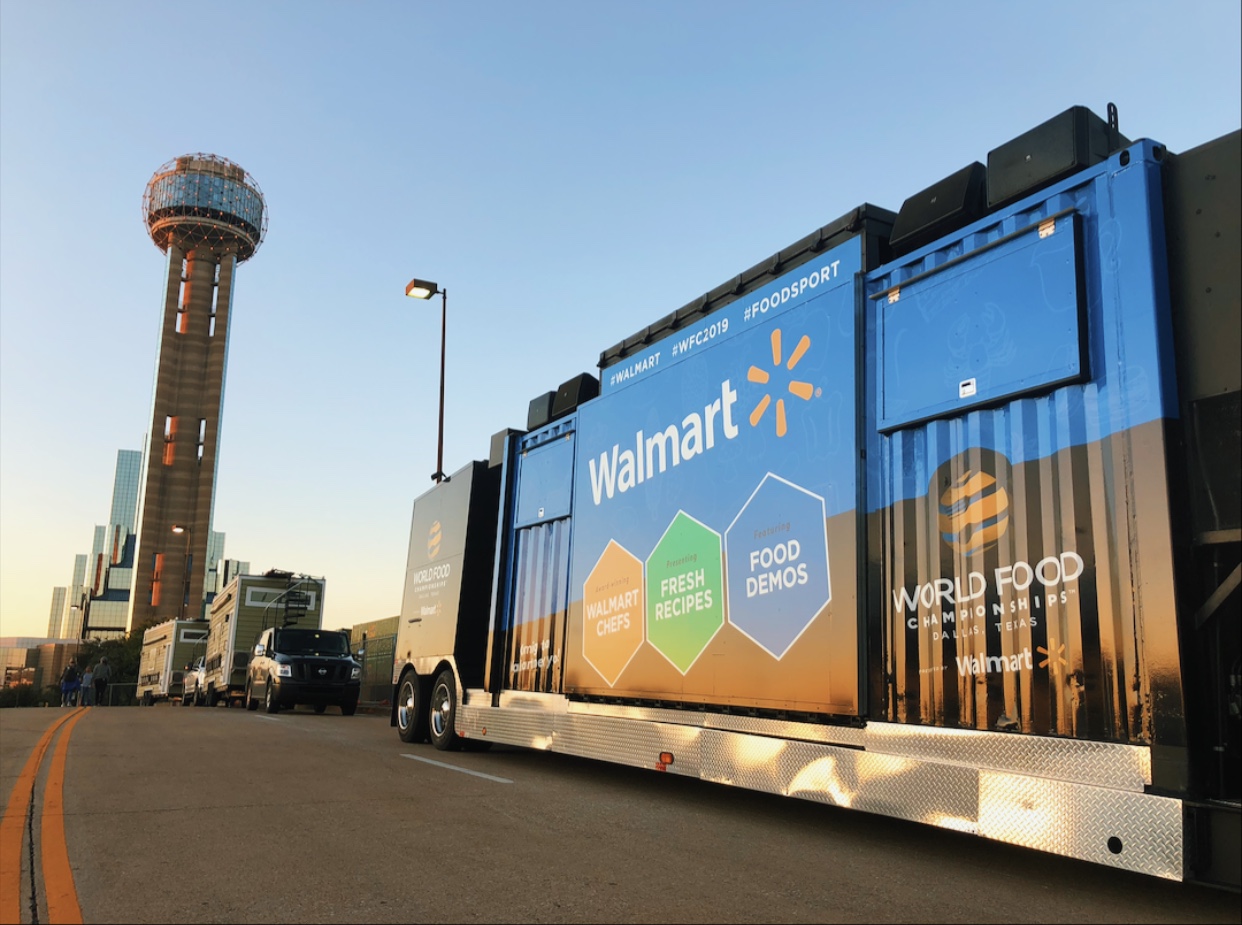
[(204, 199)]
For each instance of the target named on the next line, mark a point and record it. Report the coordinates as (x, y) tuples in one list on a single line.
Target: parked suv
[(292, 665)]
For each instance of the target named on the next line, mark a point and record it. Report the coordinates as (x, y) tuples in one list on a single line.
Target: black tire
[(212, 697), (411, 708), (147, 699), (198, 697), (442, 713), (320, 708), (185, 701), (269, 698), (349, 708), (251, 703)]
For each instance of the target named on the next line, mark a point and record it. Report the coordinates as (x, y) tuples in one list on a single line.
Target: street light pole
[(185, 565), (439, 474), (422, 289)]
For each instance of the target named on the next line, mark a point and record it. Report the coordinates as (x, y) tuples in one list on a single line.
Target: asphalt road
[(219, 815)]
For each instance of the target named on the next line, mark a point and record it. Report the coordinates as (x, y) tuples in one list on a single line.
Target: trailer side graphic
[(941, 524)]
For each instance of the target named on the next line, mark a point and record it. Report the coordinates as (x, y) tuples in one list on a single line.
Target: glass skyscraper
[(75, 600), (56, 619), (111, 563)]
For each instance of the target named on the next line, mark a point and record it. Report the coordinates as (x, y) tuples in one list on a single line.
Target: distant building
[(34, 660), (111, 563), (56, 618), (75, 600), (227, 570), (377, 639), (95, 605)]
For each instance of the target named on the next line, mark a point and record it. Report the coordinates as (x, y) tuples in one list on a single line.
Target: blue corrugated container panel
[(1018, 383)]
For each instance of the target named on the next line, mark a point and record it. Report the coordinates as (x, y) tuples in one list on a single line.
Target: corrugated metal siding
[(1072, 470), (1072, 499), (541, 567)]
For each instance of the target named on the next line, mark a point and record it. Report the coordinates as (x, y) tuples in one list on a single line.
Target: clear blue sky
[(570, 171)]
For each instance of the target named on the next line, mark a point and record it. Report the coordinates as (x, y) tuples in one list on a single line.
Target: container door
[(531, 632)]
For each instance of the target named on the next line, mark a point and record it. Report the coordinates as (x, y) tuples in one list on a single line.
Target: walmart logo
[(797, 388), (649, 454)]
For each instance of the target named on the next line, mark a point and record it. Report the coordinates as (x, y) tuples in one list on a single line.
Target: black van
[(293, 665)]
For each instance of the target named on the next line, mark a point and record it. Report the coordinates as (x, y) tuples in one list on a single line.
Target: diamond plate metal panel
[(809, 732), (635, 744), (932, 782), (755, 762), (946, 796), (1100, 764), (526, 700), (647, 714), (1140, 833), (899, 787), (527, 728)]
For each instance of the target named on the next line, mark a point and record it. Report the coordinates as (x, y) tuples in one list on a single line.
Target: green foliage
[(123, 655), (24, 695)]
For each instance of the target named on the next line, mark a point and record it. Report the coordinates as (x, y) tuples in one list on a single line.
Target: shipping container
[(932, 514)]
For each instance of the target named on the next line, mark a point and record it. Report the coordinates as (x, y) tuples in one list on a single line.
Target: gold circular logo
[(974, 512), (433, 540)]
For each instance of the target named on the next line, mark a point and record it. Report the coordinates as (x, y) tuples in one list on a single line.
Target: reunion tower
[(208, 215)]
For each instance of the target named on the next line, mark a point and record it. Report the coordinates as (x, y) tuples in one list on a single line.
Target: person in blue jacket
[(69, 686)]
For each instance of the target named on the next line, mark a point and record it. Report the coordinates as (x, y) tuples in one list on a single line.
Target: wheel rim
[(440, 710), (405, 706)]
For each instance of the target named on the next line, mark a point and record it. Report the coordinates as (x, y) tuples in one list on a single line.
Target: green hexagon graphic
[(685, 591)]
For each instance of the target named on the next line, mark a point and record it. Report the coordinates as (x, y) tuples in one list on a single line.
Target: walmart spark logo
[(1050, 655), (802, 390)]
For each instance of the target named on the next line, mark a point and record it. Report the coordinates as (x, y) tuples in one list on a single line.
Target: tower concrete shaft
[(179, 481), (207, 215)]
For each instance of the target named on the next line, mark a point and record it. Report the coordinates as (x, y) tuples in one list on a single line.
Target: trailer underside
[(1084, 800)]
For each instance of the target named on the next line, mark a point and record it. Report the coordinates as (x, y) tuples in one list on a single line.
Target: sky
[(568, 171)]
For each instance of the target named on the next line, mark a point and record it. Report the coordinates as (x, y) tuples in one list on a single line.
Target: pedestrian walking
[(69, 686), (88, 687), (103, 674)]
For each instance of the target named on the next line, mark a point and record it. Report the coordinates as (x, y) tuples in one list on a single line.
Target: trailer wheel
[(443, 715), (269, 698), (211, 696), (411, 708)]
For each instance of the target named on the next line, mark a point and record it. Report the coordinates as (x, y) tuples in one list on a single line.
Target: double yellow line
[(62, 898)]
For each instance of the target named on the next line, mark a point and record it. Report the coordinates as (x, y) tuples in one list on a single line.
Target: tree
[(123, 655)]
